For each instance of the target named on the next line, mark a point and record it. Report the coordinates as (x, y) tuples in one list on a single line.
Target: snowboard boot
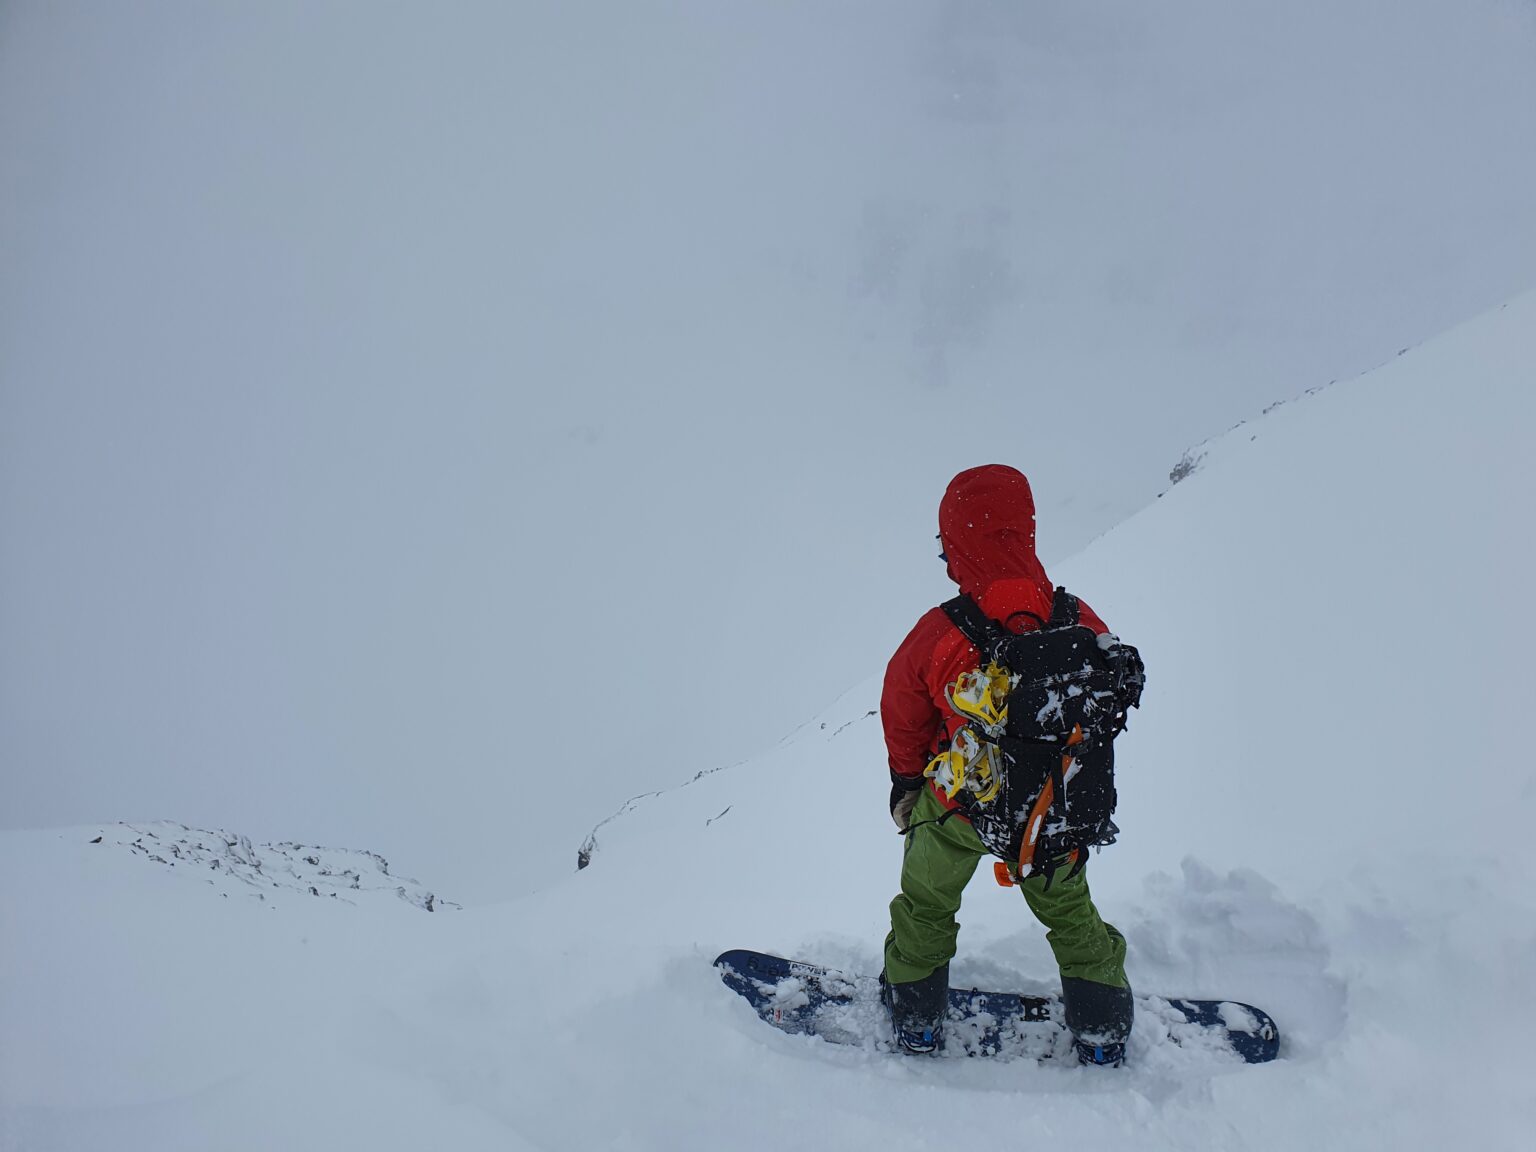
[(917, 1010), (1099, 1017)]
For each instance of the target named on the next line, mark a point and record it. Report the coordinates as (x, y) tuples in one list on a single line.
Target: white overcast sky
[(428, 418)]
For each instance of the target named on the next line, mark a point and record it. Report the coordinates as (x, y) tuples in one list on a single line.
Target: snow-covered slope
[(1326, 804)]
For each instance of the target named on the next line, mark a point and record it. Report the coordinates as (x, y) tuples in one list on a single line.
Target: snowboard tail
[(809, 999)]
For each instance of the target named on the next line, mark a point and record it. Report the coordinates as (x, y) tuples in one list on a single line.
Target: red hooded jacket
[(987, 525)]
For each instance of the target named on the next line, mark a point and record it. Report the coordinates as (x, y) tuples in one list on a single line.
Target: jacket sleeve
[(908, 713)]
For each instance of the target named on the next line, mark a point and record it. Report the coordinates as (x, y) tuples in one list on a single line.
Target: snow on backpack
[(1033, 767)]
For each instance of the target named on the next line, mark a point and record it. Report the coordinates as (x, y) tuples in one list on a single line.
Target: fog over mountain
[(424, 427)]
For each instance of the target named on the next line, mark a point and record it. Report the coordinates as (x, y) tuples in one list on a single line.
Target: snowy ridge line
[(231, 863), (588, 847), (1195, 454)]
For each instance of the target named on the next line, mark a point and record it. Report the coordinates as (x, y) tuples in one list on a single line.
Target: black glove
[(904, 793)]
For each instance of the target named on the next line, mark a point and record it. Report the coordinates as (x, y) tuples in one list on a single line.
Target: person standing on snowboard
[(987, 537)]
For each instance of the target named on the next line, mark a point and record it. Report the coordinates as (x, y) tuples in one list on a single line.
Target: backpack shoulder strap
[(977, 627), (986, 633), (1065, 610)]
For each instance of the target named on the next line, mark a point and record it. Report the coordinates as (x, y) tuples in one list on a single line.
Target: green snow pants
[(940, 860)]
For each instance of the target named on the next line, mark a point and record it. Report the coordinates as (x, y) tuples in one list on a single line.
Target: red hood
[(987, 524)]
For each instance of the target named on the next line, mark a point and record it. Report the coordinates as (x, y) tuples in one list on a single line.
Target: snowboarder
[(987, 539)]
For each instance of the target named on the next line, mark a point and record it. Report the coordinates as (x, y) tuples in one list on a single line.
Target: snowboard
[(811, 1000)]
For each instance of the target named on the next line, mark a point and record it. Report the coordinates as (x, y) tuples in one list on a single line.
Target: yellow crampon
[(970, 764), (982, 695), (973, 762)]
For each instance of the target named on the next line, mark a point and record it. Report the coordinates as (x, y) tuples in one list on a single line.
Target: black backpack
[(1067, 692)]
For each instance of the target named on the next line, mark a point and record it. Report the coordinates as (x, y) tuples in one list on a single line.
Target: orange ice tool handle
[(1042, 806), (1000, 870)]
